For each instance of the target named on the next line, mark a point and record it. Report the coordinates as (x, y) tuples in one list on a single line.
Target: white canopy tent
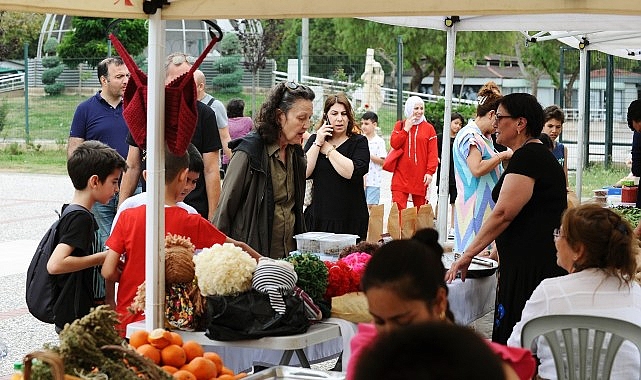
[(612, 34), (538, 15)]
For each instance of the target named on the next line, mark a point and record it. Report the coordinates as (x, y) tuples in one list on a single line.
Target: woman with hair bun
[(477, 166), (404, 285), (596, 246)]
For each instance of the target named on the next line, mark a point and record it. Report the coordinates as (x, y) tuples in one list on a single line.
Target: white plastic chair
[(587, 334)]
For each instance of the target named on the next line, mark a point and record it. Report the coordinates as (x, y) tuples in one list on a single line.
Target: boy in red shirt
[(127, 239)]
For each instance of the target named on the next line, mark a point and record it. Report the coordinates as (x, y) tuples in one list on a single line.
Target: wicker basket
[(49, 357)]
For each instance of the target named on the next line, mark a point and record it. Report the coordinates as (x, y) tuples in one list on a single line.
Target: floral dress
[(474, 201)]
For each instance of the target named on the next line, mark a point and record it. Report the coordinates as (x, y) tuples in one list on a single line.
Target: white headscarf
[(409, 108)]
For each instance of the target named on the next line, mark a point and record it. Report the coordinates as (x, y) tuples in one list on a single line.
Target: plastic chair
[(587, 334)]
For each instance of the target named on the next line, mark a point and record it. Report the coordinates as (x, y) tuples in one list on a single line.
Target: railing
[(12, 82), (350, 88), (595, 114)]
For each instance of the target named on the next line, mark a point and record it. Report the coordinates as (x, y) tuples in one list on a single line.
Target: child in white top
[(377, 153)]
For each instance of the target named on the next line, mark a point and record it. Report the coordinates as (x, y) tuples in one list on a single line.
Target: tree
[(53, 66), (424, 50), (87, 42), (257, 39), (230, 73), (16, 29)]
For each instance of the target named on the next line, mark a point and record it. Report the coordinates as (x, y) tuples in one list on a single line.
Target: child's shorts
[(373, 195)]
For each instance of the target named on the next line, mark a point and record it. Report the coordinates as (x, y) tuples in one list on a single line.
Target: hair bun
[(429, 237)]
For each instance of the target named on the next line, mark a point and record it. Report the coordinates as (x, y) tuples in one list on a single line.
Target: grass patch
[(33, 159), (596, 176)]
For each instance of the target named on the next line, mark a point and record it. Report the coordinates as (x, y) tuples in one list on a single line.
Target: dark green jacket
[(245, 210)]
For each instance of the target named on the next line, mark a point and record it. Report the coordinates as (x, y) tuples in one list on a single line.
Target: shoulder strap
[(66, 210), (211, 101)]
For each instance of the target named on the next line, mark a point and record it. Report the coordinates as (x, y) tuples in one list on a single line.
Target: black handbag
[(249, 315)]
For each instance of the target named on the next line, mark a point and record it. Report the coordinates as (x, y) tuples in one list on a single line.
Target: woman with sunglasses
[(337, 161), (596, 246), (262, 197), (478, 167), (530, 197)]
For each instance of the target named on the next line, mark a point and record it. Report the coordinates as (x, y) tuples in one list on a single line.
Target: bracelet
[(320, 146), (329, 151)]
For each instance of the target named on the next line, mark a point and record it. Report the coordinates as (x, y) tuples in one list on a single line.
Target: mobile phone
[(328, 123)]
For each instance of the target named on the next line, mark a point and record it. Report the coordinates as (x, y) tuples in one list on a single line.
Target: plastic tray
[(295, 373), (333, 245), (309, 242)]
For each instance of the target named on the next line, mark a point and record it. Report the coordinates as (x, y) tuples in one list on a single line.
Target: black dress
[(338, 204), (526, 247)]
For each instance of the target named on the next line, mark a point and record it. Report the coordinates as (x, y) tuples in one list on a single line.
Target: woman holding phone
[(337, 161)]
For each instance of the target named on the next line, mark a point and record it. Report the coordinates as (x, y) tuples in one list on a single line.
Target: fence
[(49, 117)]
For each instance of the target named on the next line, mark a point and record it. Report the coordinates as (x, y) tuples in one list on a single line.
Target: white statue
[(372, 77)]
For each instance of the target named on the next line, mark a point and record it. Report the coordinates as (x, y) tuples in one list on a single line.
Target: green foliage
[(54, 88), (435, 112), (595, 176), (50, 61), (50, 46), (49, 76), (53, 66), (230, 44), (87, 41), (16, 29), (4, 110), (230, 72)]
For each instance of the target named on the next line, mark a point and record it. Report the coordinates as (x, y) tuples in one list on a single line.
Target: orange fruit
[(182, 374), (240, 375), (227, 371), (225, 377), (159, 338), (214, 357), (176, 338), (203, 369), (149, 351), (138, 338), (193, 350), (169, 369), (173, 355)]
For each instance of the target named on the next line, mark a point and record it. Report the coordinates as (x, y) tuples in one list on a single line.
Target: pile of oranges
[(183, 360)]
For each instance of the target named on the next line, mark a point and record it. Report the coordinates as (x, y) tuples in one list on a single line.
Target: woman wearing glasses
[(596, 246), (477, 167), (530, 198), (337, 160), (262, 197)]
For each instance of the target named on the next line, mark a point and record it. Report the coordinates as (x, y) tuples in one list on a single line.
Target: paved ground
[(27, 208)]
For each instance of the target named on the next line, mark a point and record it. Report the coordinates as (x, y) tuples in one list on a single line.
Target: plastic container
[(333, 245), (629, 194), (613, 190), (309, 242)]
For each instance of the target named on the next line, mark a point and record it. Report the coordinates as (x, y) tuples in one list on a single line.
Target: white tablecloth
[(472, 299)]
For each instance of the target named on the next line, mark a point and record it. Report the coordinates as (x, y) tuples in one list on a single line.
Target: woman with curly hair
[(262, 197), (597, 248), (337, 161)]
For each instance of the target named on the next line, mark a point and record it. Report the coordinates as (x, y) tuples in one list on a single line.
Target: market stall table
[(323, 341)]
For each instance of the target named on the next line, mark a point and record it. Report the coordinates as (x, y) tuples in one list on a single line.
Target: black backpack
[(40, 296)]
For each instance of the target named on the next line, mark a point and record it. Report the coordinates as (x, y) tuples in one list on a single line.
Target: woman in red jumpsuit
[(415, 168)]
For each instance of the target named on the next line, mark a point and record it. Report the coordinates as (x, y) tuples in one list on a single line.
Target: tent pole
[(443, 186), (580, 148), (155, 216)]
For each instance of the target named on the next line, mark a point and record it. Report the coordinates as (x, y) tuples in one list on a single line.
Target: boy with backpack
[(125, 260), (67, 289)]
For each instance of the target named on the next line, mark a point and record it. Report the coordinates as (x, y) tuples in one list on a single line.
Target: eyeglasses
[(557, 234), (498, 117), (180, 58)]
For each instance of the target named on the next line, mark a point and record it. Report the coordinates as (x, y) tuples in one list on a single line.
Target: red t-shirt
[(128, 239)]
